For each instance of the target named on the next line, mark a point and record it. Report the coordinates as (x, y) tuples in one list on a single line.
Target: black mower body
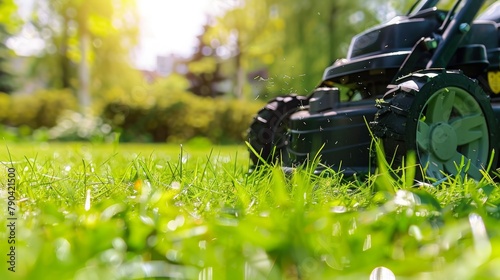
[(332, 124)]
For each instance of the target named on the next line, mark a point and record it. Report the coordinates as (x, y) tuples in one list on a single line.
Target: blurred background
[(163, 70)]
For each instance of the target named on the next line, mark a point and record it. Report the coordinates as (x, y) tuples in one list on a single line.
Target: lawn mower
[(426, 83)]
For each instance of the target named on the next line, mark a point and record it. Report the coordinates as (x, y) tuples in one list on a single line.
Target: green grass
[(136, 211)]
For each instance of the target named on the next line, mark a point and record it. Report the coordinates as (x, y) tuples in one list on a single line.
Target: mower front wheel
[(445, 117), (267, 134)]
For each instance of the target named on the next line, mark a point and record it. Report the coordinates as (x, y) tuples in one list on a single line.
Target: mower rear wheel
[(267, 134), (445, 117)]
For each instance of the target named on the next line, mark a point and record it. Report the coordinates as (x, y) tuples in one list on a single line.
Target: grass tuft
[(88, 211)]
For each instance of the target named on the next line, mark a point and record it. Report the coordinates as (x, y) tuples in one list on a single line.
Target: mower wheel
[(267, 134), (445, 117)]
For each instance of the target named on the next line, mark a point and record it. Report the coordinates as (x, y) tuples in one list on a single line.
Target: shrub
[(158, 113), (5, 106), (240, 114), (179, 117), (41, 109)]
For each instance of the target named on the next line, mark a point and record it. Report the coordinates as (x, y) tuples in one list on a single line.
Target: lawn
[(109, 211)]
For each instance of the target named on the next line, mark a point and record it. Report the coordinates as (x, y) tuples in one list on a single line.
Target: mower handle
[(454, 32), (421, 5)]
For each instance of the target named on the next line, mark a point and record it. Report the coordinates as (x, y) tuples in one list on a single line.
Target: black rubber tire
[(414, 114), (267, 134)]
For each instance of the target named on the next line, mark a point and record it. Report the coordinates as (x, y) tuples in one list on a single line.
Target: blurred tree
[(293, 39), (87, 43), (204, 69), (9, 23), (317, 33), (248, 32), (6, 77)]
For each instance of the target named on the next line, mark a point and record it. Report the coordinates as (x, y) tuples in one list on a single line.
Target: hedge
[(41, 109), (179, 117), (148, 115)]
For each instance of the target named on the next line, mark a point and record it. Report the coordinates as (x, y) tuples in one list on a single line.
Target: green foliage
[(160, 115), (7, 84), (294, 40), (41, 109), (9, 19), (89, 44), (250, 42), (9, 23), (160, 112), (129, 211), (316, 34)]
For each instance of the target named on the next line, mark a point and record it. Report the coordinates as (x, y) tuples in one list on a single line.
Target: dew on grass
[(112, 257), (405, 198), (176, 223), (264, 214), (175, 185), (87, 200), (382, 273), (172, 225), (159, 166), (482, 243), (202, 244), (368, 242), (119, 244), (63, 248), (353, 228), (338, 209), (147, 220), (415, 232)]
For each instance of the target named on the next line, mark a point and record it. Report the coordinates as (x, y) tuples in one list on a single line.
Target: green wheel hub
[(443, 140), (452, 131)]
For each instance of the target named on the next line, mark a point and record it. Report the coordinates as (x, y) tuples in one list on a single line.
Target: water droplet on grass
[(368, 242), (338, 209), (176, 185), (63, 249), (87, 200), (382, 273), (482, 243)]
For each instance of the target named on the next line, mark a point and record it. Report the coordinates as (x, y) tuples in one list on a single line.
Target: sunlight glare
[(171, 27)]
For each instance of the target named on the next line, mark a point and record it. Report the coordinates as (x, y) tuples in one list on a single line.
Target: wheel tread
[(271, 119)]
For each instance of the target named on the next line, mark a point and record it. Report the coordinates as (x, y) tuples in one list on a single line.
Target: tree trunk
[(84, 73), (64, 60), (240, 72)]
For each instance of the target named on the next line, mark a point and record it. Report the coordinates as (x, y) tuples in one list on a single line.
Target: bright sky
[(167, 26), (171, 26)]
